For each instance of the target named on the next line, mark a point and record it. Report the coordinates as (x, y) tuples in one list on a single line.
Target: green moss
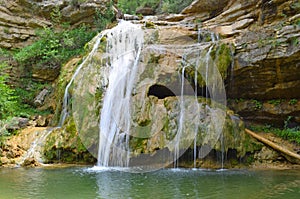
[(64, 145), (221, 56), (153, 61), (138, 144), (251, 145), (234, 162), (71, 128), (250, 159), (223, 59), (149, 24)]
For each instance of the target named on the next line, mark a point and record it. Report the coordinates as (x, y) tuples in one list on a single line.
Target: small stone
[(30, 162), (41, 121), (40, 98)]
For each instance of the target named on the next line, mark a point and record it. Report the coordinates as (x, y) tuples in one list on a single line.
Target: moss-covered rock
[(64, 145)]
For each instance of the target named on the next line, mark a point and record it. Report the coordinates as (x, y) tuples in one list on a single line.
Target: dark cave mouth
[(161, 91)]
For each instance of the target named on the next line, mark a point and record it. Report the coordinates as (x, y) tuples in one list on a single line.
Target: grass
[(290, 134)]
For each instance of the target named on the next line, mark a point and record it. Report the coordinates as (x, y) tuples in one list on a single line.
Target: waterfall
[(36, 146), (210, 84), (122, 75), (207, 64), (124, 44), (180, 121), (65, 112)]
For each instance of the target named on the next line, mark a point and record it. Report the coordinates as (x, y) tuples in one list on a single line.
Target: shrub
[(53, 48), (101, 20), (160, 6), (8, 99), (291, 134), (174, 6)]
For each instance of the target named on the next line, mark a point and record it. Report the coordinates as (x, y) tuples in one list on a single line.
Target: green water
[(86, 183)]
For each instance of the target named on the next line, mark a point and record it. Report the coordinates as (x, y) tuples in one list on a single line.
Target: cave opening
[(161, 91)]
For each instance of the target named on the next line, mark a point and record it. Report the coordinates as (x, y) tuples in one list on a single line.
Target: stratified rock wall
[(20, 18), (266, 36)]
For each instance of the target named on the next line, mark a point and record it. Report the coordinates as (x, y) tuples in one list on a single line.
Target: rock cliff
[(266, 67), (259, 63), (19, 19)]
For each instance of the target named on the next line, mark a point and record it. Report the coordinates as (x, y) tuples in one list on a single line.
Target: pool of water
[(84, 183)]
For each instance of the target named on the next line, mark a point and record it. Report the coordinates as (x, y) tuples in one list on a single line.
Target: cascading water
[(65, 112), (124, 44), (117, 106), (181, 120), (36, 146)]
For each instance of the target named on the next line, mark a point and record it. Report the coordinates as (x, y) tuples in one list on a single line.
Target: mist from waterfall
[(124, 45), (110, 98)]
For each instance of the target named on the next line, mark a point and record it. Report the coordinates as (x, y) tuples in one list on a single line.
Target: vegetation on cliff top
[(158, 6)]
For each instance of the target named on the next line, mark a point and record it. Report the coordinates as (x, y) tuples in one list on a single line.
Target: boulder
[(145, 11), (16, 123)]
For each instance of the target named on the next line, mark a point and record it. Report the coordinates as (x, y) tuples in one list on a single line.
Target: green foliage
[(159, 6), (275, 101), (128, 7), (101, 20), (4, 53), (238, 100), (17, 101), (257, 104), (53, 48), (76, 3), (174, 6), (291, 134), (8, 98), (293, 101), (56, 15), (26, 93)]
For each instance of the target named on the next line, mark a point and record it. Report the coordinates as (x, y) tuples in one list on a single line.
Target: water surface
[(78, 182)]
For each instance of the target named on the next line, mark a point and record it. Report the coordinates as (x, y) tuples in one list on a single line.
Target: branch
[(275, 146)]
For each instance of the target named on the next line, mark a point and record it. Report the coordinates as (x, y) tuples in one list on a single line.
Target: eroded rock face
[(267, 64), (266, 37), (155, 109), (20, 18), (206, 9), (280, 112)]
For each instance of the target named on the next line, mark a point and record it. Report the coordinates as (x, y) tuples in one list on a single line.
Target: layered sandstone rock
[(266, 37), (19, 19)]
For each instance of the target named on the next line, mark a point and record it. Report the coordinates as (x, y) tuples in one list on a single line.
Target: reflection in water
[(279, 185), (168, 183)]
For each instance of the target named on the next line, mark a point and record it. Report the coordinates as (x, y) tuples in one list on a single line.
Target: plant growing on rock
[(101, 19), (8, 99), (54, 47), (293, 101)]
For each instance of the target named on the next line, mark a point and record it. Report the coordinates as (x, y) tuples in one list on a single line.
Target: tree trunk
[(275, 146)]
